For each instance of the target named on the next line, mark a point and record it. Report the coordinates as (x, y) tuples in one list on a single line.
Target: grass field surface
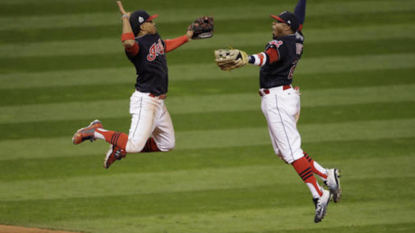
[(62, 65)]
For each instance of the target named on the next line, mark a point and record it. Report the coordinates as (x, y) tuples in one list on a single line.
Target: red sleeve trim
[(261, 59), (172, 44), (272, 55), (127, 36)]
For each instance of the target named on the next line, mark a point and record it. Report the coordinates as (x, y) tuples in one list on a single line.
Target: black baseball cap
[(289, 19), (139, 17)]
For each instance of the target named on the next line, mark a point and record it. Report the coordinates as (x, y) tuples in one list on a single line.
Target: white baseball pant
[(281, 109), (149, 118)]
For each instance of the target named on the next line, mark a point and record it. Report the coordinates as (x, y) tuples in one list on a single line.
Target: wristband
[(125, 16)]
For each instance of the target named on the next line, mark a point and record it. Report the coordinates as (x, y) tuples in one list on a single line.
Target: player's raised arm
[(299, 11), (127, 36)]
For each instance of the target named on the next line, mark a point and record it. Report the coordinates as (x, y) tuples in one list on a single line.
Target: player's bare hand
[(122, 11), (189, 34)]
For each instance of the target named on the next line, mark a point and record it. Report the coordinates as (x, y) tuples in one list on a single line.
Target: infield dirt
[(16, 229)]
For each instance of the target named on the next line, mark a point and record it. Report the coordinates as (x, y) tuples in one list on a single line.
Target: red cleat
[(114, 154), (86, 133)]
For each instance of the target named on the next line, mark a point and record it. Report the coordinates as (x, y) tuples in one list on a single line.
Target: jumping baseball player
[(151, 127), (281, 102)]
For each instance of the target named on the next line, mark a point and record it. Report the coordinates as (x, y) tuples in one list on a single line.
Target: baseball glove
[(202, 28), (229, 59)]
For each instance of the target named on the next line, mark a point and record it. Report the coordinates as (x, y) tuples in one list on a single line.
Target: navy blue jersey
[(151, 65), (280, 73)]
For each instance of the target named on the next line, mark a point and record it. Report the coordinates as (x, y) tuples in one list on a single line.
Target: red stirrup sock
[(317, 168), (303, 169), (115, 138), (150, 146)]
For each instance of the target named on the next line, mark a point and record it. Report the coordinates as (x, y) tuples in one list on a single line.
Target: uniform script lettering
[(155, 50)]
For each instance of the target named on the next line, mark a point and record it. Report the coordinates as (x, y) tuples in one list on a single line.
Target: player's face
[(278, 29), (150, 27)]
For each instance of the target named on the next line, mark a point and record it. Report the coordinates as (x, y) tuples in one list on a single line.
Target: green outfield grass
[(62, 65)]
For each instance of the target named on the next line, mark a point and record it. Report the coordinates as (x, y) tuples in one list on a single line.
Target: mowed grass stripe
[(144, 205), (229, 26), (41, 2), (118, 59), (216, 201), (221, 13), (205, 139), (203, 179), (243, 40), (203, 104), (372, 151), (329, 154), (327, 132), (50, 7), (203, 87), (218, 120), (328, 67), (273, 219), (141, 183)]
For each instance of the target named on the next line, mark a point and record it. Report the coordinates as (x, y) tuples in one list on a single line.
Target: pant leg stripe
[(282, 122), (139, 117)]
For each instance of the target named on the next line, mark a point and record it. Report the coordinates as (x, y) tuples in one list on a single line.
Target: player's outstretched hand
[(122, 11), (189, 34)]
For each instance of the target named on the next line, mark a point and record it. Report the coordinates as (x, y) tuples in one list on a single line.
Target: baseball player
[(281, 102), (151, 127)]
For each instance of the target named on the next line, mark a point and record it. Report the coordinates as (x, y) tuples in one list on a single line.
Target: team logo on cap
[(140, 19)]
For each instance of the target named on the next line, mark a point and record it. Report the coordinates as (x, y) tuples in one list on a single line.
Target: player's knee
[(291, 158), (167, 146), (134, 147), (287, 161)]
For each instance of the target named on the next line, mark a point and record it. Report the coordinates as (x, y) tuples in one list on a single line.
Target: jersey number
[(294, 64), (290, 75)]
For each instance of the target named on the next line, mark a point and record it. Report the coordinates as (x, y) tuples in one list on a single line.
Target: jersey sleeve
[(259, 59), (275, 49), (133, 50), (172, 44), (271, 54), (299, 11)]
